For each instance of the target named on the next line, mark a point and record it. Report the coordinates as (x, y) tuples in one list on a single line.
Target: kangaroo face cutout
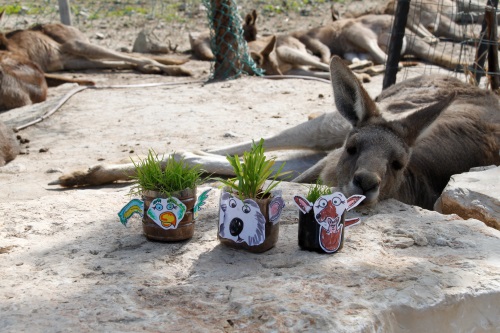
[(328, 211)]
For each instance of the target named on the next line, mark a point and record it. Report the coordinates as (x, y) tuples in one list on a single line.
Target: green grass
[(172, 177), (252, 173), (316, 190)]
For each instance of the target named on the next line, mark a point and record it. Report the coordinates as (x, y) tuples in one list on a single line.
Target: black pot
[(310, 232)]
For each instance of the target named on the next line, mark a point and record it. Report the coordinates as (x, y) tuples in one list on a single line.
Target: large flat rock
[(474, 194), (67, 264)]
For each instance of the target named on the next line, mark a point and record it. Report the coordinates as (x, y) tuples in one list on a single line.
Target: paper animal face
[(167, 213), (328, 210), (242, 221)]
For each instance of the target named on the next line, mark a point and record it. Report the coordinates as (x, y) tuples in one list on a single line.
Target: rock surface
[(474, 194), (403, 269)]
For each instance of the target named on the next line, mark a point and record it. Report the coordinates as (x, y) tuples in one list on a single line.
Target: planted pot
[(166, 218), (169, 219), (249, 224), (322, 224)]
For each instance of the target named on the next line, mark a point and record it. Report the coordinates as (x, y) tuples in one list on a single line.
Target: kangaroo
[(405, 144), (369, 34), (200, 43), (57, 47), (432, 18), (284, 54)]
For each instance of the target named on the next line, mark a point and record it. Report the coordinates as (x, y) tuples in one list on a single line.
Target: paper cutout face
[(166, 213), (243, 221), (328, 210)]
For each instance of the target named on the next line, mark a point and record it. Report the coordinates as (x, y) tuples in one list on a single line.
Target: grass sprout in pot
[(250, 207), (322, 219), (169, 205)]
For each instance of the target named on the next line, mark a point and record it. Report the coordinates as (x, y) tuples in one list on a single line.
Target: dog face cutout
[(166, 213), (243, 221), (328, 211)]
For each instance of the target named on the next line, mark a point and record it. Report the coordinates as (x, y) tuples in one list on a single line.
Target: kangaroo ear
[(335, 14), (248, 19), (254, 16), (351, 99), (269, 47), (413, 126)]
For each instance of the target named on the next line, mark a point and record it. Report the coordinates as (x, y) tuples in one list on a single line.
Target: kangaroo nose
[(236, 226), (366, 181)]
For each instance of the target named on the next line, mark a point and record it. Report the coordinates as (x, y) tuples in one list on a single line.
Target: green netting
[(230, 49)]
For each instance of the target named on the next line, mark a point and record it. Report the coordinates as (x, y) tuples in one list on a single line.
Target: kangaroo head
[(263, 53), (376, 152), (250, 27)]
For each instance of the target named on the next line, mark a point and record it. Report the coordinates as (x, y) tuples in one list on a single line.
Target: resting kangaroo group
[(405, 144)]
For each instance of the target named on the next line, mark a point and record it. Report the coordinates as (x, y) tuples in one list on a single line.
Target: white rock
[(473, 195), (83, 271)]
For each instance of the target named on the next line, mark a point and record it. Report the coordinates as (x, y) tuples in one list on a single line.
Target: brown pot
[(271, 231), (184, 230)]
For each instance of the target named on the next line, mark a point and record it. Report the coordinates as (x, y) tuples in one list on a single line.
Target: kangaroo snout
[(367, 183)]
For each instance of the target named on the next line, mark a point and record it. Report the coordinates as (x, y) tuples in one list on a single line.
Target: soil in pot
[(185, 228)]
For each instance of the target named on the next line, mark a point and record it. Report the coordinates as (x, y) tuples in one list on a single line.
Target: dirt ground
[(66, 261)]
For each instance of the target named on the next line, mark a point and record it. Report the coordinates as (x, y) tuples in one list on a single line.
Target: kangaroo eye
[(336, 201), (232, 203), (351, 150), (396, 165), (246, 209)]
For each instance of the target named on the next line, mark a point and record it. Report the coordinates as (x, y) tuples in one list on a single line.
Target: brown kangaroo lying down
[(367, 34), (404, 145), (57, 47), (432, 18), (286, 55)]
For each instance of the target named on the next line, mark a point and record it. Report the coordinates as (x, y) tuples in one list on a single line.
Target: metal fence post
[(396, 43)]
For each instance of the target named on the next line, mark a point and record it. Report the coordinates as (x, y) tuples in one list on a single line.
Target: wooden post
[(396, 43), (226, 41), (65, 12)]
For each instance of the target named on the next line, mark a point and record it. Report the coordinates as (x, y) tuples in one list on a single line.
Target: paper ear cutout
[(276, 207), (135, 206), (303, 204), (200, 202), (354, 200)]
